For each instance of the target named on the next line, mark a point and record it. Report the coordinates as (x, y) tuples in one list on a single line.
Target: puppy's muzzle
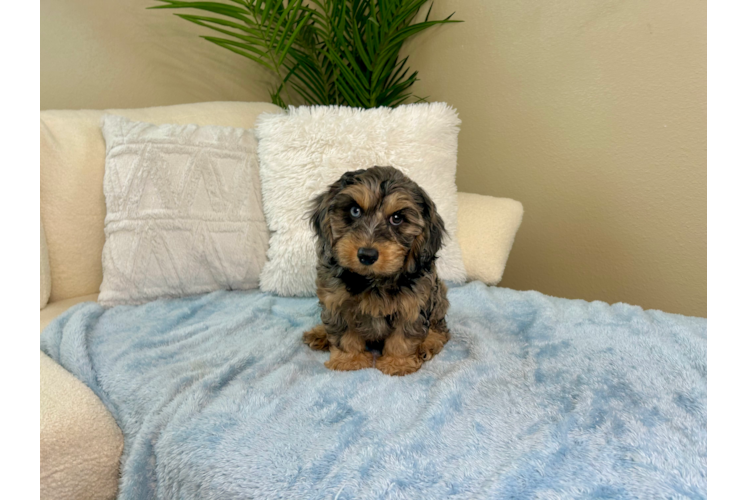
[(368, 256)]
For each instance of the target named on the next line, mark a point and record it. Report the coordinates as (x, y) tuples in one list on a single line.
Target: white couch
[(80, 441)]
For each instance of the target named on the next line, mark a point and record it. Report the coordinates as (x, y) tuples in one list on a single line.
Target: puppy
[(377, 237)]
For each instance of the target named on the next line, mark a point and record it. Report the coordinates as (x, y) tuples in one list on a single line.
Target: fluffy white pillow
[(184, 211), (306, 149)]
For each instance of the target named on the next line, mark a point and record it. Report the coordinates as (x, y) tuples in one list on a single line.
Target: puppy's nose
[(368, 256)]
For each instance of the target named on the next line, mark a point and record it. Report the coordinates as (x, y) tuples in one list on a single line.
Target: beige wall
[(590, 112), (100, 54)]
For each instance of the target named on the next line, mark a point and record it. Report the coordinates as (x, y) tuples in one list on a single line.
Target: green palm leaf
[(326, 51)]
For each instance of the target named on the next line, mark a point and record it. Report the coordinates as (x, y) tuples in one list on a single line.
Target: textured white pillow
[(184, 211), (306, 149)]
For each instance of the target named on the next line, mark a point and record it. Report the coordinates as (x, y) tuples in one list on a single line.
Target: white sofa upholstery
[(44, 272), (80, 441)]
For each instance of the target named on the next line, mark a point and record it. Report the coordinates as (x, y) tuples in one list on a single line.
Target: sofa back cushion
[(45, 280), (72, 174)]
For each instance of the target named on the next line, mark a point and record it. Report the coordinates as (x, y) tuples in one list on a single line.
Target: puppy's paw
[(432, 345), (349, 362), (316, 338), (428, 350), (392, 365)]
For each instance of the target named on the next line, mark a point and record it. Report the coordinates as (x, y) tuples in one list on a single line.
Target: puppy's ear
[(319, 213), (319, 216), (427, 244)]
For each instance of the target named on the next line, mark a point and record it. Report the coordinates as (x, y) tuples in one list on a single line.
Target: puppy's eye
[(396, 219), (355, 212)]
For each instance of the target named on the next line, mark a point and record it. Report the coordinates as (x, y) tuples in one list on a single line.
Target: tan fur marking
[(396, 201), (351, 342), (343, 361), (333, 299), (362, 195), (352, 354), (316, 338), (390, 261), (346, 251), (391, 257), (432, 345), (400, 355)]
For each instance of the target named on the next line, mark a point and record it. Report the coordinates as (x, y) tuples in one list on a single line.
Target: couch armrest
[(44, 272), (485, 230), (80, 443)]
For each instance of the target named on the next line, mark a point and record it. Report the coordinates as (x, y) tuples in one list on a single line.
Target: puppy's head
[(377, 222)]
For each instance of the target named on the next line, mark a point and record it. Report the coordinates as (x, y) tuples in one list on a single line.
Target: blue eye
[(355, 212)]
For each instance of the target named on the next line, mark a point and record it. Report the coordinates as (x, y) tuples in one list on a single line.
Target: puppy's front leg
[(349, 353), (400, 355)]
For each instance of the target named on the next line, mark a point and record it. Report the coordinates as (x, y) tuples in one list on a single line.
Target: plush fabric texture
[(184, 211), (486, 229), (79, 444), (534, 397), (306, 149), (45, 278), (72, 172)]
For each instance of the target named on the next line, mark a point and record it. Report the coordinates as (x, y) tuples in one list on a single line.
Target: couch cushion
[(45, 279), (72, 172), (486, 230)]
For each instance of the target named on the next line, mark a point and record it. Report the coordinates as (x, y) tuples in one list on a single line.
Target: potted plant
[(327, 52)]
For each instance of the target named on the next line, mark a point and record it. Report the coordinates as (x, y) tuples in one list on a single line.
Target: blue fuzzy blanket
[(534, 397)]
